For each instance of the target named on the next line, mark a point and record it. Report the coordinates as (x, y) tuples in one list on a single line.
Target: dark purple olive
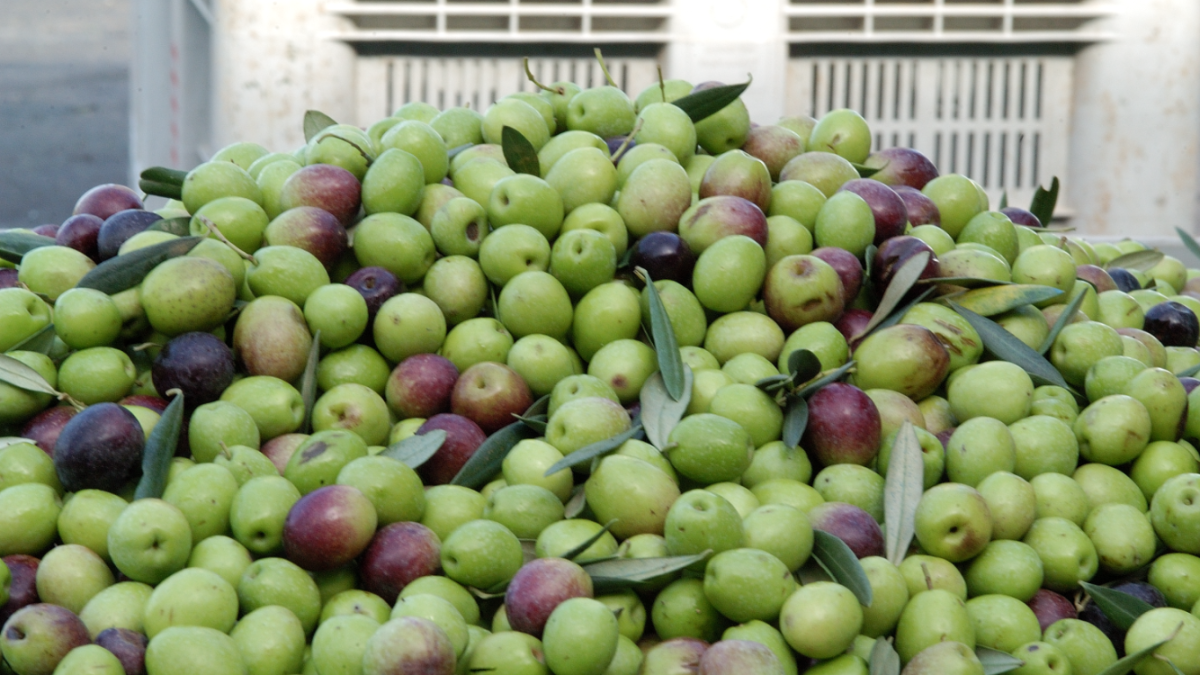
[(615, 144), (1124, 280), (100, 448), (1173, 324), (1189, 383), (120, 227), (80, 233), (198, 364), (890, 211), (9, 278), (128, 646), (921, 209), (892, 255), (665, 255), (376, 285), (1020, 216)]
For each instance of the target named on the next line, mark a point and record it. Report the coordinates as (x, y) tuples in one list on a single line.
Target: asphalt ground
[(64, 104)]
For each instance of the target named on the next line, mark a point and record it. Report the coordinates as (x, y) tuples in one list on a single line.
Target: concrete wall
[(1135, 145)]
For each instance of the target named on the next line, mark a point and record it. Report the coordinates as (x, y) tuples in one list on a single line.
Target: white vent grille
[(1002, 121), (581, 21), (386, 83), (1009, 21)]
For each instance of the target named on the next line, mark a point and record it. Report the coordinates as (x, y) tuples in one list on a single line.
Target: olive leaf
[(14, 244), (315, 122), (537, 423), (167, 190), (795, 421), (803, 365), (1063, 320), (162, 174), (996, 662), (1126, 665), (308, 381), (622, 573), (536, 417), (519, 153), (774, 383), (1170, 664), (417, 449), (1189, 241), (1137, 260), (454, 152), (1044, 201), (123, 272), (896, 316), (487, 459), (660, 413), (1003, 201), (965, 282), (579, 549), (22, 376), (593, 450), (670, 362), (702, 104), (1000, 299), (901, 283), (902, 492), (180, 227), (41, 341), (842, 564), (832, 376), (865, 171), (538, 407), (884, 659), (1006, 346), (576, 504), (1190, 371), (160, 450), (1121, 608)]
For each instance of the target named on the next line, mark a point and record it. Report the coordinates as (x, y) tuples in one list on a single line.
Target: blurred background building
[(1104, 94)]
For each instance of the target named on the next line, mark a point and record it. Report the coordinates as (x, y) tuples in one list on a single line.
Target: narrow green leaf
[(538, 407), (519, 153), (1171, 665), (622, 573), (1006, 346), (1003, 201), (660, 413), (833, 376), (795, 420), (40, 341), (1000, 299), (1044, 201), (485, 462), (902, 282), (670, 362), (160, 450), (308, 381), (1190, 371), (965, 282), (497, 591), (537, 423), (22, 376), (14, 244), (126, 271), (774, 383), (576, 504), (868, 263), (588, 452), (884, 659), (1063, 320), (842, 564), (895, 317), (417, 449), (587, 543), (1138, 260), (168, 190), (1189, 241), (702, 104), (996, 662), (1130, 661), (176, 226), (865, 171), (1121, 608), (902, 492), (316, 121), (453, 152), (803, 365), (161, 174)]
